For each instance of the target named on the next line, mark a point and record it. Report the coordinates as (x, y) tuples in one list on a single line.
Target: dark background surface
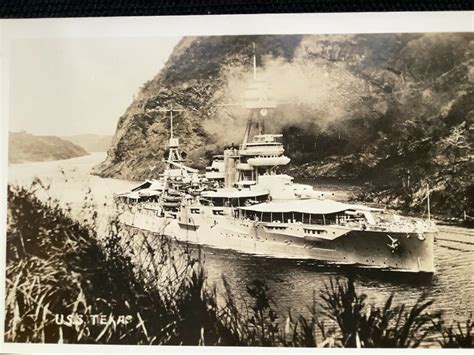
[(95, 8)]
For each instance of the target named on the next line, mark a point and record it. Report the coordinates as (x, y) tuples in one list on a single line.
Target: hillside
[(395, 109), (24, 147), (91, 142)]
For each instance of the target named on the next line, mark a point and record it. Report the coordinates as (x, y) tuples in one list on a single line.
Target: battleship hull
[(361, 248)]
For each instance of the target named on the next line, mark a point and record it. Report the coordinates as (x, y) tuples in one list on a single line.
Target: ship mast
[(258, 101), (428, 201), (254, 62), (174, 154)]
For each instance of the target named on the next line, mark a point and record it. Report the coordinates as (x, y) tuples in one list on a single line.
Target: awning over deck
[(301, 206), (233, 193)]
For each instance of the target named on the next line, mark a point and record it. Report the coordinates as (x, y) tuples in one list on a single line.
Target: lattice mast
[(259, 101), (174, 154)]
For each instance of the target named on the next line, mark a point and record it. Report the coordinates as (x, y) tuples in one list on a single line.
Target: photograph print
[(267, 190)]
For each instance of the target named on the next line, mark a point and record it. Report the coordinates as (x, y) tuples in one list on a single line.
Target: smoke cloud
[(310, 92)]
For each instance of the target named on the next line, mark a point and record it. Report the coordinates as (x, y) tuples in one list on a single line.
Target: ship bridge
[(264, 151), (266, 142)]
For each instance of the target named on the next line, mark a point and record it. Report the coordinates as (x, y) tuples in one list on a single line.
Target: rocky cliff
[(394, 108)]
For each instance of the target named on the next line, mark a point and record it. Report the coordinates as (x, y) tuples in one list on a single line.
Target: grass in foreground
[(58, 267)]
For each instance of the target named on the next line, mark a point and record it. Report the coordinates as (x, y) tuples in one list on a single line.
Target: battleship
[(241, 202)]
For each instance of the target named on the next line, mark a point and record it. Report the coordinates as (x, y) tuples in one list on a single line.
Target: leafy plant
[(455, 336), (364, 326)]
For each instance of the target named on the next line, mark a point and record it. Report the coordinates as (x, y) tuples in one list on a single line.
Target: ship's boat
[(171, 204), (244, 166), (268, 161), (171, 192), (172, 198)]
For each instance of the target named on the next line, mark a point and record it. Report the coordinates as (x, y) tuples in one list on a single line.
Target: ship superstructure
[(241, 202), (257, 159), (175, 182)]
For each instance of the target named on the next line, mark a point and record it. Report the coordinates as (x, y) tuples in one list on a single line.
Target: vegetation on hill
[(24, 147), (64, 283), (395, 109)]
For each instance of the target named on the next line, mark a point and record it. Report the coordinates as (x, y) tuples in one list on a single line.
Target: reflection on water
[(292, 282)]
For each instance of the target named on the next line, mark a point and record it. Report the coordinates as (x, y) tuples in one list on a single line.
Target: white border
[(336, 23)]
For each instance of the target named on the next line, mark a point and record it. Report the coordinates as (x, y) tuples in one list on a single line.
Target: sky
[(79, 85)]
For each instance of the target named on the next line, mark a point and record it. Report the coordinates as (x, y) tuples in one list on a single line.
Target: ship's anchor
[(394, 245)]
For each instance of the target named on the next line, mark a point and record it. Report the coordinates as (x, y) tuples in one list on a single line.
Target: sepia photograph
[(300, 189)]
